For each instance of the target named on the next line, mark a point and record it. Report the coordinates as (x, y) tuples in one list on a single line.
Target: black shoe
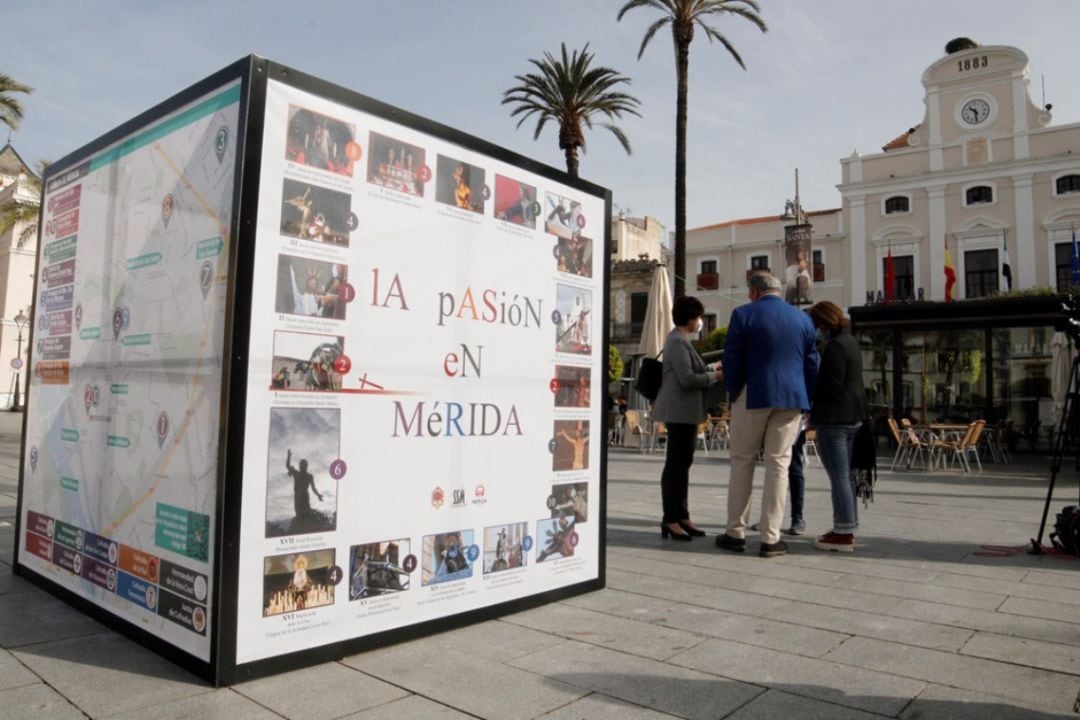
[(691, 530), (666, 532), (726, 542), (768, 550)]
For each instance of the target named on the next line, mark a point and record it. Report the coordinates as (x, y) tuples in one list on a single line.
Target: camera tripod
[(1060, 437)]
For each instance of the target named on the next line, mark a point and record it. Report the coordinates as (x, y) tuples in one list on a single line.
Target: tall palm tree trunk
[(571, 161), (682, 71)]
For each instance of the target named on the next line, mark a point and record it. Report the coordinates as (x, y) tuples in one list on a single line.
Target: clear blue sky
[(829, 77)]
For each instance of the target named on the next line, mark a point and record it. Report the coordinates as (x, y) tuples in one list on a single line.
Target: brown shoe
[(837, 542)]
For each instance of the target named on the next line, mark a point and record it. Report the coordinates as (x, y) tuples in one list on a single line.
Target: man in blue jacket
[(770, 368)]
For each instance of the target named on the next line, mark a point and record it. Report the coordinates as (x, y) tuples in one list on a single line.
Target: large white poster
[(120, 465), (425, 390)]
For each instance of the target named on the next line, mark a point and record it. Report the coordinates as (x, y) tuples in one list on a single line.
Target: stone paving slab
[(222, 704), (822, 679), (997, 622), (694, 593), (36, 617), (1019, 651), (938, 702), (409, 707), (1066, 612), (882, 627), (500, 641), (661, 686), (473, 685), (656, 641), (13, 673), (602, 707), (787, 636), (930, 593), (106, 674), (1057, 594), (37, 702), (970, 673), (323, 692), (782, 705)]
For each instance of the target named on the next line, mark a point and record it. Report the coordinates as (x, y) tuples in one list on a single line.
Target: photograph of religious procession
[(319, 141), (378, 568), (311, 288), (395, 164), (297, 581), (573, 255), (562, 215), (445, 557), (301, 493), (555, 538), (459, 184), (571, 445), (573, 385), (503, 547), (306, 361), (314, 213), (570, 499), (515, 202), (573, 332)]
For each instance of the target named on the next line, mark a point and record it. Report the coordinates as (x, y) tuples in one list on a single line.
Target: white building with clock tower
[(984, 171)]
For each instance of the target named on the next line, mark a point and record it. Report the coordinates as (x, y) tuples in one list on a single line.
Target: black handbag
[(864, 463), (650, 377)]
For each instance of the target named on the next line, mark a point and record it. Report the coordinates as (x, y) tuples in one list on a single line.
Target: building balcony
[(708, 281)]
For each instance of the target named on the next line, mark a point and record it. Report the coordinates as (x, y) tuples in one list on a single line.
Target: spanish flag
[(950, 273)]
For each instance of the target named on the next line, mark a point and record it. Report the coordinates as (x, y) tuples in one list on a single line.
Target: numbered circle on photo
[(347, 292), (534, 210), (526, 543), (424, 173), (554, 385), (352, 222), (555, 251), (556, 317), (573, 539), (551, 502), (551, 446), (486, 193), (353, 151), (473, 552), (33, 457), (581, 221), (335, 575), (343, 364), (409, 563), (338, 468)]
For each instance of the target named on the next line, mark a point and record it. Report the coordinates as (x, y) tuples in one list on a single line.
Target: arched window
[(1068, 184), (980, 194), (897, 204)]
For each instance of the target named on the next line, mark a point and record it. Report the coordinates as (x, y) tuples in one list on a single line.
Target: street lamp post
[(20, 323)]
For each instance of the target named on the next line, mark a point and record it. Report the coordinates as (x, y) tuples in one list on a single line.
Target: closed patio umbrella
[(658, 321), (1060, 366)]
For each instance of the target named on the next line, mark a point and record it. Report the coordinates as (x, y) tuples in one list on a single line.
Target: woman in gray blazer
[(681, 407)]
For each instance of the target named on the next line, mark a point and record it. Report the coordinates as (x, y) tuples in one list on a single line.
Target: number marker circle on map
[(162, 427)]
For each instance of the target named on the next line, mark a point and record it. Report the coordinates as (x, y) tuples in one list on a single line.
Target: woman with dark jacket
[(837, 411), (681, 407)]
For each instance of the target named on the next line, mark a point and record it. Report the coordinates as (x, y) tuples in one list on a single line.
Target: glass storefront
[(956, 368)]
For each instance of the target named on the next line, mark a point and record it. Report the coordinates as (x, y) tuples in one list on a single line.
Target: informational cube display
[(311, 374)]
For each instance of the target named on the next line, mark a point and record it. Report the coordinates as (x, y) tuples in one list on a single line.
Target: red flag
[(890, 277), (950, 274)]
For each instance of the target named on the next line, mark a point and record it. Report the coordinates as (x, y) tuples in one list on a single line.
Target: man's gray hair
[(764, 281)]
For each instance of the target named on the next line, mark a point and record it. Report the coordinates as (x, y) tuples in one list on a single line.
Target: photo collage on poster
[(329, 162)]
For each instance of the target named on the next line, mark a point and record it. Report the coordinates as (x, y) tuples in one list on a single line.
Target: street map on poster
[(120, 465), (425, 390)]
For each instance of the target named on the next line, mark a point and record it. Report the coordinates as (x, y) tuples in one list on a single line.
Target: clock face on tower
[(975, 111)]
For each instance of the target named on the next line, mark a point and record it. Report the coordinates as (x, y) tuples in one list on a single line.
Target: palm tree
[(10, 108), (571, 92), (682, 15), (23, 207)]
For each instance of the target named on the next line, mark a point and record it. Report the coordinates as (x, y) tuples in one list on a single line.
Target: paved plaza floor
[(938, 614)]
